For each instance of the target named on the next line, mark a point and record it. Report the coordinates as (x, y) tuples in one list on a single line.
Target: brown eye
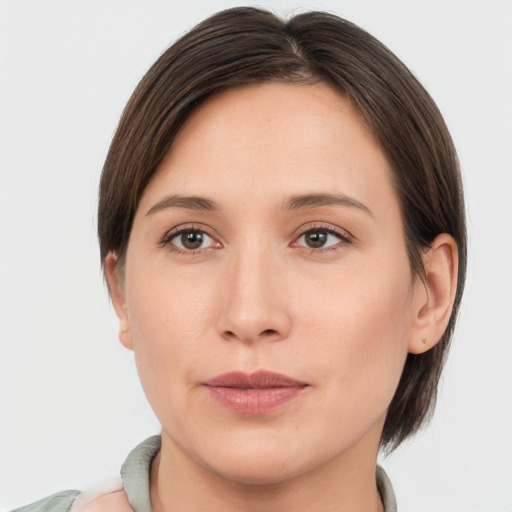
[(192, 239), (316, 239), (321, 238)]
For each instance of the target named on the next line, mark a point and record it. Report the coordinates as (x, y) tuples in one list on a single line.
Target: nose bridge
[(254, 305)]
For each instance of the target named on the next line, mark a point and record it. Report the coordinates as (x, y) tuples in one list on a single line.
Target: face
[(267, 292)]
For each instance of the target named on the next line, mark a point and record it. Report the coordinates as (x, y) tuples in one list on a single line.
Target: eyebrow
[(317, 200), (189, 203), (294, 203)]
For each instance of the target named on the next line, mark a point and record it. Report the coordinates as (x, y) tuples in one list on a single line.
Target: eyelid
[(345, 236), (165, 240)]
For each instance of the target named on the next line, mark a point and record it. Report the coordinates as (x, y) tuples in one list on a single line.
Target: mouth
[(255, 393)]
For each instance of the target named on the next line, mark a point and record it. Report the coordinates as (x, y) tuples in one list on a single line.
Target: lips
[(255, 393)]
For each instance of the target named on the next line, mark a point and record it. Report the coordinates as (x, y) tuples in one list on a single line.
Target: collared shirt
[(131, 492)]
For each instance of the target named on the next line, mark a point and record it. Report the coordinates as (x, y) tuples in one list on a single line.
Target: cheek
[(167, 319), (361, 322), (166, 304)]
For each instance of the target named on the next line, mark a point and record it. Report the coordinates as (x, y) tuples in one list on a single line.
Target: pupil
[(192, 239), (316, 238)]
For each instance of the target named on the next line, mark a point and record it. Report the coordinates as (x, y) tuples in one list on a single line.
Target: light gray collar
[(137, 467), (135, 473)]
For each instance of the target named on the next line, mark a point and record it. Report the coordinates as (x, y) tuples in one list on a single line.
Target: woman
[(281, 226)]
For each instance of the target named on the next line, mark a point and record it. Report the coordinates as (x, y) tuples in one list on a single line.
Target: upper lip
[(261, 379)]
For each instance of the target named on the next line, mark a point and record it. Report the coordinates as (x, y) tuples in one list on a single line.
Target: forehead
[(282, 138)]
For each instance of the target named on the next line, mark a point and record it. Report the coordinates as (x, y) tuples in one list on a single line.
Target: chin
[(257, 472), (264, 463)]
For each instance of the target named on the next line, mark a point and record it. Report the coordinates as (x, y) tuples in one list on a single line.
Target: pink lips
[(255, 393)]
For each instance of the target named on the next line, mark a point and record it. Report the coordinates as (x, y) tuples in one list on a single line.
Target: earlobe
[(434, 294), (115, 281)]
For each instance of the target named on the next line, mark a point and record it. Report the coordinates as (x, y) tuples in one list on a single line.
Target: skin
[(255, 295)]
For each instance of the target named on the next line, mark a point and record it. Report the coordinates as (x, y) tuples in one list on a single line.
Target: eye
[(189, 240), (321, 238)]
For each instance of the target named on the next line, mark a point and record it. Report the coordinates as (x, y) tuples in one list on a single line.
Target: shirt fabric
[(132, 491)]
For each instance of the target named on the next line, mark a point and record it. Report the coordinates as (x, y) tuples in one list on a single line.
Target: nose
[(253, 303)]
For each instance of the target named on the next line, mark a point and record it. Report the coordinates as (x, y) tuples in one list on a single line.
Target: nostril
[(267, 333)]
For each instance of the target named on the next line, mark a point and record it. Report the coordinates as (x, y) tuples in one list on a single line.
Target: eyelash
[(166, 240), (344, 239)]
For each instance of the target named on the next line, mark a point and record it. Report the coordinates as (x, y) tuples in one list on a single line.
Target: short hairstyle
[(246, 45)]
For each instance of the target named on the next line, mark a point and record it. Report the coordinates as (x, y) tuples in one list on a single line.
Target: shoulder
[(74, 501), (60, 502), (112, 501), (114, 496)]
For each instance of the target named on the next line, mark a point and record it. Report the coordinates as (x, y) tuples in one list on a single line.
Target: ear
[(115, 280), (434, 294)]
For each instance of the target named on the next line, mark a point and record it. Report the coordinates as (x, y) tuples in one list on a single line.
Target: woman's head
[(325, 61)]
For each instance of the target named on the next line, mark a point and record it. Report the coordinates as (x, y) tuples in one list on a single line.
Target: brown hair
[(247, 45)]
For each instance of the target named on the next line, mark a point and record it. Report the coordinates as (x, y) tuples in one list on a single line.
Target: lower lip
[(254, 401)]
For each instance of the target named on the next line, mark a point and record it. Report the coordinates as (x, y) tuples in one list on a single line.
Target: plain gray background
[(71, 407)]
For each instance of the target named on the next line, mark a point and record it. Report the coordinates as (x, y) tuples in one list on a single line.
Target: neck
[(345, 483)]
